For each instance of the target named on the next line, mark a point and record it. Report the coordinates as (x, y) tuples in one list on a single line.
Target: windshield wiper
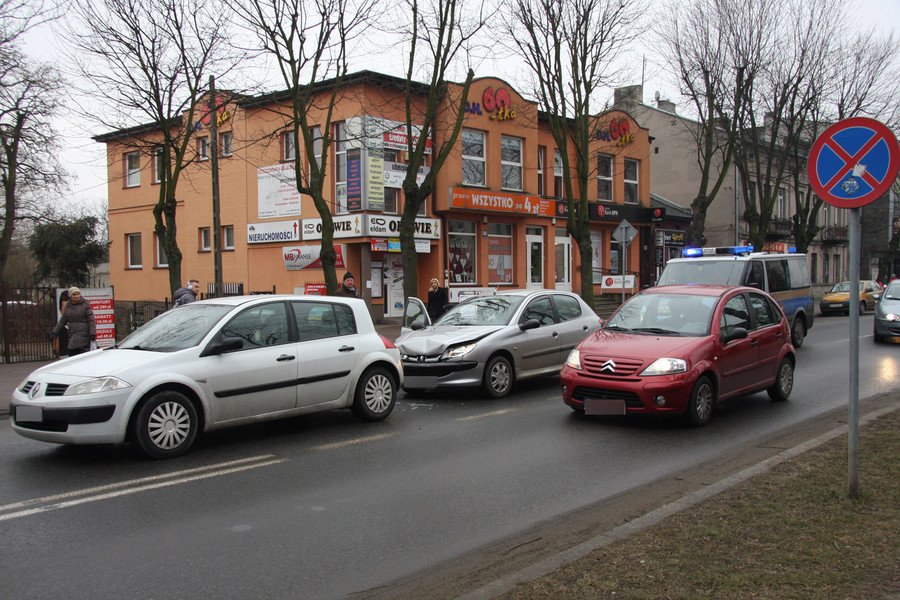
[(617, 327), (658, 330)]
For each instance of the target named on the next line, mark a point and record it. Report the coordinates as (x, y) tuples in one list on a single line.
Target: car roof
[(261, 298), (696, 289)]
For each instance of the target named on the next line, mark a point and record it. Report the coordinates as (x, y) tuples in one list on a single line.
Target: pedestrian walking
[(79, 318), (437, 299), (187, 294), (348, 287)]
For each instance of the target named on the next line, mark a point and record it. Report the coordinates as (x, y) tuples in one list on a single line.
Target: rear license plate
[(32, 414), (604, 407)]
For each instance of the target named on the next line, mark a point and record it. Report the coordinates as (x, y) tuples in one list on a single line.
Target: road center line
[(495, 413), (354, 442), (134, 482)]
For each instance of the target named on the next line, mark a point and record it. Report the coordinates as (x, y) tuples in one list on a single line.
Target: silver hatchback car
[(492, 341)]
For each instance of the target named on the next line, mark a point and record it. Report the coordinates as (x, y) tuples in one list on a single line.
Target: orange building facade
[(495, 219)]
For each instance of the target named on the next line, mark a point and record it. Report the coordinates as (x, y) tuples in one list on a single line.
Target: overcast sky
[(86, 160)]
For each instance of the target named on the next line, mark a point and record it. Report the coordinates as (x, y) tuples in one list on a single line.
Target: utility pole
[(214, 163)]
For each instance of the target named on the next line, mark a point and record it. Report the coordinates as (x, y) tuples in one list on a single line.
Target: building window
[(133, 245), (541, 159), (162, 261), (133, 169), (391, 196), (510, 163), (227, 143), (604, 177), (203, 148), (782, 204), (340, 168), (157, 164), (205, 241), (288, 146), (317, 147), (814, 267), (500, 254), (473, 157), (631, 181), (558, 190), (826, 272), (462, 257), (228, 237)]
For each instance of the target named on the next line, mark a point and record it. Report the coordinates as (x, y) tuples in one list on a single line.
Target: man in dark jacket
[(80, 318), (186, 294), (348, 287)]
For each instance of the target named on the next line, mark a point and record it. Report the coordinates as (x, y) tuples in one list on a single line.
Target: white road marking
[(495, 413), (354, 442), (133, 486)]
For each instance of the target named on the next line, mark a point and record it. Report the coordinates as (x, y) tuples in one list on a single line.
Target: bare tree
[(569, 47), (148, 63), (309, 43), (19, 16)]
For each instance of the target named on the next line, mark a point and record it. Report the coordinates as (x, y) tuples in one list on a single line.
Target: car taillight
[(387, 343)]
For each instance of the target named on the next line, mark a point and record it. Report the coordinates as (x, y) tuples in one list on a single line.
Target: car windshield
[(726, 272), (665, 314), (176, 329), (482, 310), (844, 286), (893, 291)]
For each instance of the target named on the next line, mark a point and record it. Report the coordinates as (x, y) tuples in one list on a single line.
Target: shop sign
[(276, 192), (775, 247), (393, 245), (299, 258), (396, 139), (275, 231), (603, 211), (458, 294), (375, 184), (384, 226), (345, 226), (498, 104), (378, 245), (222, 114), (657, 214), (395, 173), (102, 302), (614, 282), (354, 179), (315, 289), (505, 202), (673, 238), (617, 130)]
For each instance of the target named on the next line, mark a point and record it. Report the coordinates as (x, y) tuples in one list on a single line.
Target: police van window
[(762, 311), (777, 274), (798, 272), (755, 276)]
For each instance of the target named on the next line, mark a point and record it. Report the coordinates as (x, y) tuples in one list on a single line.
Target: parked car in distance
[(492, 341), (212, 364), (680, 350), (887, 313), (837, 300)]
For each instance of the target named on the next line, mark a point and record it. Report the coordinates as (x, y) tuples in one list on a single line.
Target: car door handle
[(754, 342), (585, 328), (555, 334), (285, 357), (346, 349)]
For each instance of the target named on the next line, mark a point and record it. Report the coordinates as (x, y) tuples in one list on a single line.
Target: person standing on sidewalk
[(186, 294), (437, 299), (348, 287), (79, 317)]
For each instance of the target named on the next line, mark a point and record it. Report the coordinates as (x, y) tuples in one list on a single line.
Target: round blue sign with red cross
[(853, 162)]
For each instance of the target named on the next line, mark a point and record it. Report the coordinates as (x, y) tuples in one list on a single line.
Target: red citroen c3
[(681, 349)]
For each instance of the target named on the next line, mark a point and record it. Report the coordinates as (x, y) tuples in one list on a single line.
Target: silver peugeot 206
[(492, 341)]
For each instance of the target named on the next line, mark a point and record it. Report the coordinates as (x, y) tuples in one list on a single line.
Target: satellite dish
[(657, 95)]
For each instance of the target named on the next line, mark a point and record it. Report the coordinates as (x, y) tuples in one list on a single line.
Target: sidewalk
[(11, 375)]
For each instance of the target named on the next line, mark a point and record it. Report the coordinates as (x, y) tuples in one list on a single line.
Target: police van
[(784, 276)]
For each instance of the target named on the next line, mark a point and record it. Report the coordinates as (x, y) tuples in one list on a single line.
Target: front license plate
[(604, 407), (32, 414), (835, 306)]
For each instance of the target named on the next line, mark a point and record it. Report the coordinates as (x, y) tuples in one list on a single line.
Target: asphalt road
[(326, 506)]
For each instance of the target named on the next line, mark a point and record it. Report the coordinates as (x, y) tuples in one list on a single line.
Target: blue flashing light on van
[(716, 251)]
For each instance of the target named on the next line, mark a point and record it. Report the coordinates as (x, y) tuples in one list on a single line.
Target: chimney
[(666, 105), (628, 96)]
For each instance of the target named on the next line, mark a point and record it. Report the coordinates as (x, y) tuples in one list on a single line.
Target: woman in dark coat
[(437, 300), (80, 319)]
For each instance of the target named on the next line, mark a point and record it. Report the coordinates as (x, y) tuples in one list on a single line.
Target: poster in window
[(461, 259), (500, 259)]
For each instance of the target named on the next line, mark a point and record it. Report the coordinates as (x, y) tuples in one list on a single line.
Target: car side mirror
[(876, 296), (738, 333), (223, 346), (417, 326), (529, 324)]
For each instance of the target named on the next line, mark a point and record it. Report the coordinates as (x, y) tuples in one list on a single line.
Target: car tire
[(498, 377), (798, 331), (784, 381), (879, 339), (376, 394), (166, 425), (862, 308), (700, 406)]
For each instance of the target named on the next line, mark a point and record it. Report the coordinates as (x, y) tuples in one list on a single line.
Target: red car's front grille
[(606, 366)]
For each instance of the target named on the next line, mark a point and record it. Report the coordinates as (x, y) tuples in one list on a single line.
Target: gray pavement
[(11, 375)]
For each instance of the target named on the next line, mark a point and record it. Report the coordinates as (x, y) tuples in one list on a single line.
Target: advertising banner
[(504, 202), (388, 226), (394, 173), (275, 231), (354, 179), (375, 184), (103, 305), (345, 226), (614, 282), (277, 194), (299, 258)]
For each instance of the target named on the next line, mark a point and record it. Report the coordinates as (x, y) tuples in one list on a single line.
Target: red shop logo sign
[(618, 131), (498, 102)]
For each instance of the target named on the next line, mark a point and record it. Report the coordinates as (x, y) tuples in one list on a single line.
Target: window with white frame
[(558, 189), (162, 261), (541, 159), (227, 143), (473, 157), (205, 241), (317, 146), (604, 177), (133, 247), (288, 146), (228, 237), (782, 204), (157, 164), (203, 148), (500, 254), (133, 169), (391, 194), (631, 181), (462, 256), (340, 168), (510, 163)]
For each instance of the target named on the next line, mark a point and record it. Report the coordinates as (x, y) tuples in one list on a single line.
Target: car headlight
[(458, 351), (574, 360), (891, 317), (666, 366), (92, 386)]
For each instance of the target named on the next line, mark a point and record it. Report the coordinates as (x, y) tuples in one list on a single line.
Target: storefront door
[(563, 261), (534, 241)]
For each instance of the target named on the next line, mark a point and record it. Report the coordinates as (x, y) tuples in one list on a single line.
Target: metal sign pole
[(624, 266), (853, 418)]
